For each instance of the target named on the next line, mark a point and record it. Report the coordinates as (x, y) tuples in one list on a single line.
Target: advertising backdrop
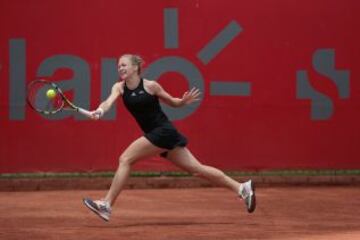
[(280, 81)]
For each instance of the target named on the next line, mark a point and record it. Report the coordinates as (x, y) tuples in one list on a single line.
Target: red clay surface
[(326, 213)]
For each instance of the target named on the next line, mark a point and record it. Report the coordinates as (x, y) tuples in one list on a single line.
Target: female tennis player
[(141, 98)]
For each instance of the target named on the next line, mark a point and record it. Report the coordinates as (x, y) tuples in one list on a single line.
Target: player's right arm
[(116, 91)]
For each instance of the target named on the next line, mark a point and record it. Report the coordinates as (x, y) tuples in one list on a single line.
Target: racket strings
[(40, 101)]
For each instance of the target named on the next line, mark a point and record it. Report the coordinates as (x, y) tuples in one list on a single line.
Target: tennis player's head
[(129, 64)]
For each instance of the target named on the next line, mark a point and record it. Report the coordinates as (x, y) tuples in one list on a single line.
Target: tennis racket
[(47, 98)]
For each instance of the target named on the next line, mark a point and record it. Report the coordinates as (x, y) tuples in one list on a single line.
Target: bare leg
[(139, 149), (183, 158)]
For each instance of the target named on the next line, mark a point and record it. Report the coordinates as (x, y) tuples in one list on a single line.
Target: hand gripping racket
[(47, 98)]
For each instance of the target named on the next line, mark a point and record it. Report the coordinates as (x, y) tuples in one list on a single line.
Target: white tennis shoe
[(100, 207), (247, 193)]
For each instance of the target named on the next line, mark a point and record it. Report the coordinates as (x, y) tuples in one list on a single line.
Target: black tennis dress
[(146, 110)]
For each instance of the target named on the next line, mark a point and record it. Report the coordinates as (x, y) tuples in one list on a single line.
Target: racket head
[(39, 101)]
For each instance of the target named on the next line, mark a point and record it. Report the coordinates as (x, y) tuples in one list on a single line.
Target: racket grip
[(84, 112)]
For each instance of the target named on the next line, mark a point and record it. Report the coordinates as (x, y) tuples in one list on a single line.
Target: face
[(125, 68)]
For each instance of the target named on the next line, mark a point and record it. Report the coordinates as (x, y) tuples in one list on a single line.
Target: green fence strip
[(264, 173)]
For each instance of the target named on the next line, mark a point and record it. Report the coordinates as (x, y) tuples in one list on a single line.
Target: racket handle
[(84, 112)]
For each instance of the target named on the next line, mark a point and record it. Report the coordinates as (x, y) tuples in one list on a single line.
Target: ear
[(137, 68)]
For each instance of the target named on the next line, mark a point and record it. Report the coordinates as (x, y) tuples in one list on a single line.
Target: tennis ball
[(51, 93)]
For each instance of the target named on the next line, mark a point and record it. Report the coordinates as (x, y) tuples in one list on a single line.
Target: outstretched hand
[(97, 114), (191, 96)]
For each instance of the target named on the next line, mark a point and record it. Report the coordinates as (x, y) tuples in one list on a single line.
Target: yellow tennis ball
[(51, 93)]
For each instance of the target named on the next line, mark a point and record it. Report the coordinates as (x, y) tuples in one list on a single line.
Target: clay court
[(293, 212)]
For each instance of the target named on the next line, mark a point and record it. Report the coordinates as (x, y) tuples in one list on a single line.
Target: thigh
[(140, 148), (183, 158)]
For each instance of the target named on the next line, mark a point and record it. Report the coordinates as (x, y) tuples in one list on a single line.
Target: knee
[(125, 160), (199, 171)]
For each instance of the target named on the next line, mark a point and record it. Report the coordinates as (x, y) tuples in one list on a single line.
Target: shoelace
[(103, 207), (242, 191)]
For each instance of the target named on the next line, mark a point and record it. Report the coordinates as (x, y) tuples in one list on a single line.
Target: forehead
[(124, 59)]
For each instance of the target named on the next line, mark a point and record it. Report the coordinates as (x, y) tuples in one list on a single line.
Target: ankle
[(107, 203)]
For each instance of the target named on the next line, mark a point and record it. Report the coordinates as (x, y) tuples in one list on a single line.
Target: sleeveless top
[(144, 107)]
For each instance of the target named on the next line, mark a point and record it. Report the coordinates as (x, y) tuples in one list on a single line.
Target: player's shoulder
[(152, 84), (118, 87)]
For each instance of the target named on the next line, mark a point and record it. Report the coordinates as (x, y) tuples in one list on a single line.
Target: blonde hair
[(135, 60)]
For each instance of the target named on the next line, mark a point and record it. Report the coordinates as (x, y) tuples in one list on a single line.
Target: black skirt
[(166, 136)]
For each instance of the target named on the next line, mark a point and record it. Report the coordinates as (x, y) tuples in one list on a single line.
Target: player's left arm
[(187, 98)]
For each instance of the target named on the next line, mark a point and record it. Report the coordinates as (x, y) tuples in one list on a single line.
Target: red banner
[(280, 81)]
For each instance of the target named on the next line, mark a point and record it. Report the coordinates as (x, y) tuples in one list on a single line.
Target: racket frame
[(65, 101)]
